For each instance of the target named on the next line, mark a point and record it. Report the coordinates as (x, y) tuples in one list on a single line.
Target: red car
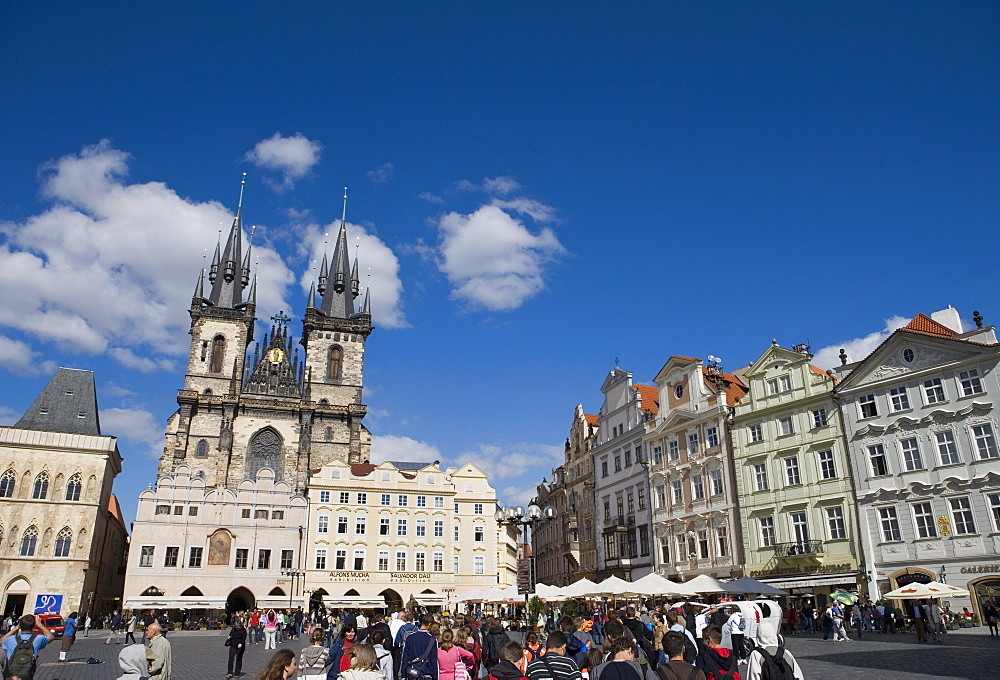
[(53, 622)]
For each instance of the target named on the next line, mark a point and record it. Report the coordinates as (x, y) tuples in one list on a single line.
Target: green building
[(793, 478)]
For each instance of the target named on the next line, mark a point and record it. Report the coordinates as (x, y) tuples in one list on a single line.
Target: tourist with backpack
[(622, 664), (676, 668), (22, 646), (737, 625), (418, 658), (509, 667), (554, 664), (770, 660), (494, 638)]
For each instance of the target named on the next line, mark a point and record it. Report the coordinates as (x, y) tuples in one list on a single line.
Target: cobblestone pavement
[(962, 655)]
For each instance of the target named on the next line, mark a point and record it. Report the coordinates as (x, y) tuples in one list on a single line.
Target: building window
[(876, 456), (698, 485), (400, 561), (41, 489), (678, 491), (362, 498), (421, 501), (628, 457), (618, 463), (819, 417), (767, 531), (401, 527), (335, 474), (360, 526), (619, 501), (867, 405), (961, 515), (661, 497), (359, 560), (63, 541), (986, 443), (800, 528), (264, 558), (722, 541), (419, 561), (455, 533), (786, 425), (439, 561), (439, 501), (242, 558), (171, 556), (165, 510), (194, 557), (899, 398), (760, 476), (658, 455), (218, 354), (607, 509), (703, 544), (386, 499), (716, 477), (404, 500), (324, 496), (8, 481), (934, 391), (890, 524), (286, 559), (673, 450), (772, 386), (911, 454), (946, 447), (835, 521), (756, 433), (193, 512), (456, 565), (344, 497), (202, 450), (342, 524), (786, 383), (421, 527), (971, 384), (631, 504), (923, 519), (260, 514), (994, 500), (604, 468), (73, 488), (792, 471), (438, 528), (328, 434), (275, 514), (179, 510), (479, 565), (477, 508), (340, 560), (693, 444), (323, 524), (827, 468), (643, 540), (712, 437), (383, 560), (642, 499), (320, 558), (681, 547), (334, 363)]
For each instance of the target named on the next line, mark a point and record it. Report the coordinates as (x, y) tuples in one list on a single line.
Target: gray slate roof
[(67, 404)]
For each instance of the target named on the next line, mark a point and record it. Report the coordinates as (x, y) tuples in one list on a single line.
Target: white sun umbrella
[(919, 590), (470, 596), (613, 585), (653, 584), (706, 584), (579, 588), (548, 593), (752, 585), (946, 589)]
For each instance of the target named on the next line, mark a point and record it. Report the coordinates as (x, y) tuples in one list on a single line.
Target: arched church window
[(28, 541), (202, 449), (63, 542), (7, 482), (207, 392), (218, 350), (73, 487), (334, 364), (41, 489), (265, 452), (329, 434)]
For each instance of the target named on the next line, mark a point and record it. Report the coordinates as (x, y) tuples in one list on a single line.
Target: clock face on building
[(274, 355)]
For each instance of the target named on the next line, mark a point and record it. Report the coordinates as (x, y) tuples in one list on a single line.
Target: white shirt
[(395, 625), (362, 621), (700, 621), (734, 623), (754, 665)]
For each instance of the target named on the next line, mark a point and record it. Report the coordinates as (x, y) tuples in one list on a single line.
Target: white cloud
[(500, 186), (381, 174), (430, 198), (516, 495), (115, 264), (536, 210), (294, 156), (857, 348), (491, 259), (130, 359), (512, 461), (113, 389), (375, 258), (8, 416), (391, 447), (18, 357), (136, 425)]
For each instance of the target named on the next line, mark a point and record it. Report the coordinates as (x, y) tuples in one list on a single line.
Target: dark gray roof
[(401, 465), (67, 404)]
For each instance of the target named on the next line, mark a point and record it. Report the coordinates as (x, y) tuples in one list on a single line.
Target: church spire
[(199, 288), (337, 301), (229, 275)]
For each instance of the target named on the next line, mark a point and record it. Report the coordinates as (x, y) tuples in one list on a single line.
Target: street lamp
[(517, 516), (294, 574)]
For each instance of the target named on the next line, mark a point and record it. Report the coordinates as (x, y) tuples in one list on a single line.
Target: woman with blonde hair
[(364, 664), (455, 662)]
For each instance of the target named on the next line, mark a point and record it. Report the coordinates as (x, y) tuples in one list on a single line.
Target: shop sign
[(409, 577), (48, 604), (349, 576), (982, 569), (797, 571)]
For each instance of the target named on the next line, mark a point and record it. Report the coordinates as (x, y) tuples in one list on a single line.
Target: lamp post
[(526, 519), (294, 574)]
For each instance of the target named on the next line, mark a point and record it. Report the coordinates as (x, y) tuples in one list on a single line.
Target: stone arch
[(192, 591), (240, 600), (334, 362), (908, 575), (265, 451), (8, 482), (277, 592), (151, 591), (393, 600), (316, 598), (73, 487), (984, 590), (352, 593)]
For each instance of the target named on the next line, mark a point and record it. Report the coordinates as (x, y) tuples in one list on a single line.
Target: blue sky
[(538, 188)]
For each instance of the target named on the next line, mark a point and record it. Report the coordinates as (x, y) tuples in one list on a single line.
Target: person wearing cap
[(769, 641)]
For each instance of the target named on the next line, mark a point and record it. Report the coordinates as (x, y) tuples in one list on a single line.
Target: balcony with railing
[(799, 549)]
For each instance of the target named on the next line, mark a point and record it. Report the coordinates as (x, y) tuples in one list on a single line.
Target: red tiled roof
[(924, 324), (650, 398), (820, 371), (362, 469), (678, 356), (115, 509), (591, 419), (734, 389)]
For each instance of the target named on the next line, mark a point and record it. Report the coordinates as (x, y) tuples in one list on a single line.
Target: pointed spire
[(227, 289), (252, 298), (336, 302), (367, 309), (199, 288), (311, 302), (246, 260), (214, 271), (324, 272), (355, 283)]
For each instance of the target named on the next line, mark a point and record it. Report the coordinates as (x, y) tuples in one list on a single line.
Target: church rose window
[(265, 452)]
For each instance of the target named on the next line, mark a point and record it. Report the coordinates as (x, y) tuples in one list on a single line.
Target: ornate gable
[(906, 352)]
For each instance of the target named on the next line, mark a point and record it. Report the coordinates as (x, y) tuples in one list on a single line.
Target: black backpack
[(22, 660), (775, 667)]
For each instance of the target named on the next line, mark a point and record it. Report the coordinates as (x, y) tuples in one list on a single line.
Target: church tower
[(238, 414)]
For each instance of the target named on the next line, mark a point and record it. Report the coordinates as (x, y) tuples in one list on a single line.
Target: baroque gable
[(905, 352)]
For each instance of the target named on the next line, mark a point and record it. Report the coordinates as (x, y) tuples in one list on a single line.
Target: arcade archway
[(393, 600), (240, 600), (984, 591)]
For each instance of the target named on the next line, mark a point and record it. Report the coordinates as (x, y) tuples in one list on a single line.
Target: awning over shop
[(431, 600), (174, 603), (356, 601), (810, 581)]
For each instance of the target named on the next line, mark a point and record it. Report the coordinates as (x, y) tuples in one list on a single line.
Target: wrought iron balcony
[(798, 548)]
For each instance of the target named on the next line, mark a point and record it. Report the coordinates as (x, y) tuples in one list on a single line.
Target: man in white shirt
[(701, 620), (737, 625)]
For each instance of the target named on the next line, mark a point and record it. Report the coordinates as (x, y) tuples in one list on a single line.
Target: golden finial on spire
[(343, 216), (243, 183)]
